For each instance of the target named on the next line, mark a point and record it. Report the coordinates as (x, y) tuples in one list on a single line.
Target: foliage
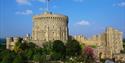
[(29, 54), (70, 52), (47, 48), (18, 59), (73, 48), (56, 56), (59, 47), (37, 57), (88, 55), (7, 56), (58, 50), (17, 47), (94, 46)]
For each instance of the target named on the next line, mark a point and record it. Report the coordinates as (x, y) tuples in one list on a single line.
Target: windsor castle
[(50, 27)]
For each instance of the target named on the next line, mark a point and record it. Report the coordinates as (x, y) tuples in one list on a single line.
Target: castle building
[(108, 44), (49, 27), (11, 41)]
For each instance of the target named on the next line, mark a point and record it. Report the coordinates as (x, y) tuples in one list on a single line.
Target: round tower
[(49, 27)]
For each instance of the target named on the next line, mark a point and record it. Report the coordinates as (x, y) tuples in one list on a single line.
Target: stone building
[(11, 41), (109, 43), (49, 27)]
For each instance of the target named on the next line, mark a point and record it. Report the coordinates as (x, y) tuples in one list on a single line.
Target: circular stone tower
[(49, 27)]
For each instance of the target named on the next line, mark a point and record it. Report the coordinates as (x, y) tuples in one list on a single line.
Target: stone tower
[(114, 42), (49, 27)]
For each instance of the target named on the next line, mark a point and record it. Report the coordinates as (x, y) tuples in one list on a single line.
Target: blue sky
[(87, 17)]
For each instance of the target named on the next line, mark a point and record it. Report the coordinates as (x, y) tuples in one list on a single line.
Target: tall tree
[(73, 48), (47, 48), (58, 46), (7, 56), (18, 59), (58, 50)]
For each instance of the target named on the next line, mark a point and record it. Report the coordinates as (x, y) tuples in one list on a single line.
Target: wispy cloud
[(42, 1), (23, 2), (121, 4), (26, 12), (55, 6), (83, 23), (78, 0)]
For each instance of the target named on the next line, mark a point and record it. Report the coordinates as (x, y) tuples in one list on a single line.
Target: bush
[(73, 48)]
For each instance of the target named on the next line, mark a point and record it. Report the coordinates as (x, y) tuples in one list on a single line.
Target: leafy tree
[(73, 48), (56, 56), (17, 47), (40, 50), (47, 48), (58, 50), (6, 56), (18, 59), (58, 46), (29, 54), (24, 46), (37, 57), (31, 45)]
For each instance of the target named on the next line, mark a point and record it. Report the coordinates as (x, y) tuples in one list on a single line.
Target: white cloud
[(41, 8), (83, 23), (121, 4), (23, 2), (42, 1), (26, 12), (78, 0), (55, 6)]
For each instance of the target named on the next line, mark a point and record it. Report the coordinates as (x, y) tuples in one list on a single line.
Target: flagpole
[(47, 4)]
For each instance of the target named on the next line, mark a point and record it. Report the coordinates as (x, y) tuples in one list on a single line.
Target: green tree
[(47, 48), (58, 50), (56, 56), (17, 47), (37, 57), (18, 59), (7, 56), (58, 46), (73, 48), (24, 46), (31, 45), (29, 54)]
